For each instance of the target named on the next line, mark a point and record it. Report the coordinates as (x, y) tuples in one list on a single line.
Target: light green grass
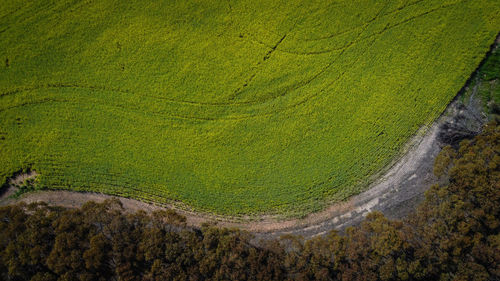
[(231, 107)]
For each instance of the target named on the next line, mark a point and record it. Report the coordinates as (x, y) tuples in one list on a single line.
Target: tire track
[(102, 88), (328, 66), (365, 26), (257, 102), (415, 17), (333, 35), (306, 82), (359, 39), (126, 109), (301, 84), (31, 103), (250, 79)]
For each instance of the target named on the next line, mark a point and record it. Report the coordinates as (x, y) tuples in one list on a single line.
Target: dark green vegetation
[(454, 235), (485, 83), (26, 186), (489, 87), (232, 107)]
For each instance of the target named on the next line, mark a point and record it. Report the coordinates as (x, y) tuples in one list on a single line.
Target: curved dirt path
[(395, 194)]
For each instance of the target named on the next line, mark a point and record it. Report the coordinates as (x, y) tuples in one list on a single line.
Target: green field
[(230, 107)]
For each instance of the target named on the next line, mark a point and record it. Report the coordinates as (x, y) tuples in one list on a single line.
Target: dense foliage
[(232, 107), (454, 235)]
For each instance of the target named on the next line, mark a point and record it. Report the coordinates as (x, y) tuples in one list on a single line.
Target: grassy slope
[(235, 107)]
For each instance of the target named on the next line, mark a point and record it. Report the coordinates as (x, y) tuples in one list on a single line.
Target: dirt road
[(395, 193)]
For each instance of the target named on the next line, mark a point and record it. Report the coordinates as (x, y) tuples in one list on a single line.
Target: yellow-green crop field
[(231, 107)]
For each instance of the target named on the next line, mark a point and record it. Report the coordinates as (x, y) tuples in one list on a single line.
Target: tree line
[(453, 235)]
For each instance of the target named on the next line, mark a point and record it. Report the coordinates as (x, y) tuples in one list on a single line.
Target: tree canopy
[(453, 235)]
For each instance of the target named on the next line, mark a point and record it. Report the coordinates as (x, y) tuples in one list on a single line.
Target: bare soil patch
[(12, 186)]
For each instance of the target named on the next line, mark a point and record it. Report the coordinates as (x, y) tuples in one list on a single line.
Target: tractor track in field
[(336, 34), (274, 48), (197, 118), (359, 37), (296, 86)]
